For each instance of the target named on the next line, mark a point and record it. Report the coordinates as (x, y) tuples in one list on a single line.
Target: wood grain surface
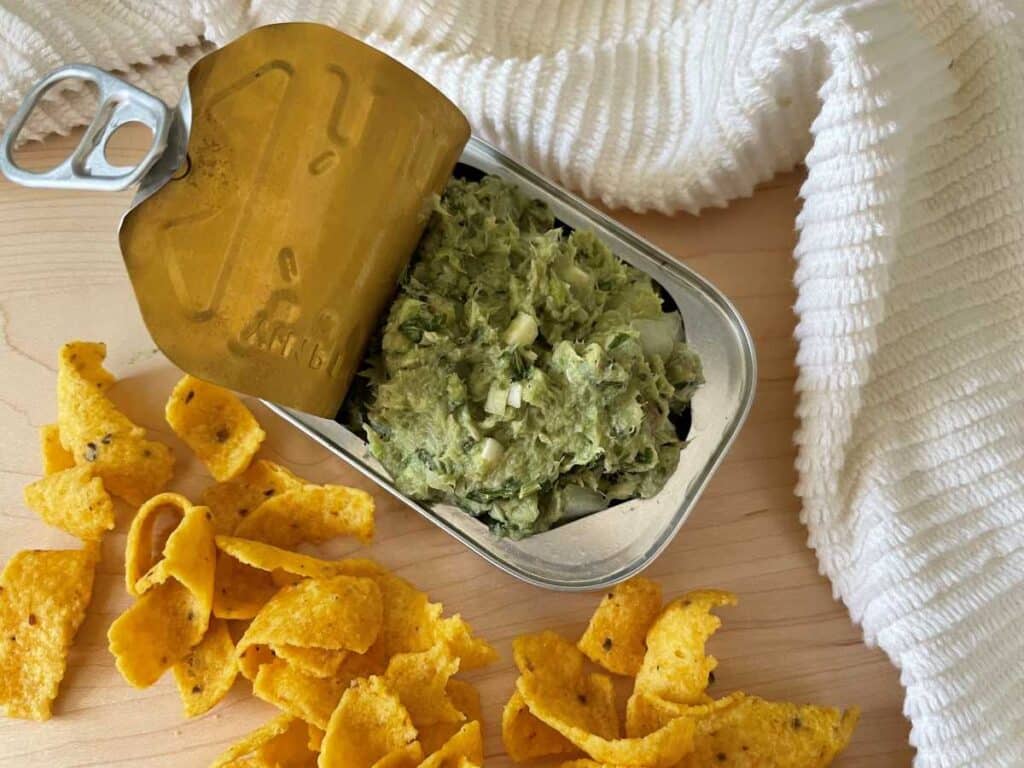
[(61, 278)]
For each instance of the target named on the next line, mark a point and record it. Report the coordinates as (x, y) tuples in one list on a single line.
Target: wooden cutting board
[(61, 278)]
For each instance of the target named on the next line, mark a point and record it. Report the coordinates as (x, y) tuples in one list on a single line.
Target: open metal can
[(277, 206)]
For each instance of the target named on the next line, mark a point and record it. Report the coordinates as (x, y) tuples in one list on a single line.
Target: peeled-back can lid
[(278, 203), (264, 263)]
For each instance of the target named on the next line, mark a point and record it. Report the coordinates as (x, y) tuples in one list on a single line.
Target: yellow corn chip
[(74, 501), (318, 662), (215, 424), (187, 534), (408, 756), (189, 558), (420, 680), (312, 513), (413, 623), (240, 590), (646, 713), (615, 636), (473, 652), (205, 676), (467, 744), (368, 724), (157, 632), (410, 619), (98, 435), (250, 572), (567, 713), (311, 698), (675, 667), (341, 613), (250, 744), (742, 730), (525, 737), (43, 597), (232, 500), (55, 457), (267, 557), (466, 700), (289, 749), (253, 658), (316, 737), (555, 670)]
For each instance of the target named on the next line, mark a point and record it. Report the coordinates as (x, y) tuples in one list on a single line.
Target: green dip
[(526, 376)]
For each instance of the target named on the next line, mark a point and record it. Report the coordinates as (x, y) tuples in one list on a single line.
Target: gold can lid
[(264, 264)]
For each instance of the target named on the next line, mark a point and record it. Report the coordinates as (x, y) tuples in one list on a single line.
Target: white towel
[(910, 261)]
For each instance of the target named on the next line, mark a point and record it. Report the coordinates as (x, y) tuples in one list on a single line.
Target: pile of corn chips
[(360, 663), (92, 452), (559, 707)]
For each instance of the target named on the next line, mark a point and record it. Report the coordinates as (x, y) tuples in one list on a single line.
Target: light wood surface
[(61, 278)]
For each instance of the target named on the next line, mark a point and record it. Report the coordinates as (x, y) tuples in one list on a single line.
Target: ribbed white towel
[(910, 258)]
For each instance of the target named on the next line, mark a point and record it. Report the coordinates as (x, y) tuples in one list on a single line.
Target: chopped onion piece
[(515, 395), (491, 450), (657, 337), (496, 399), (522, 331), (580, 501)]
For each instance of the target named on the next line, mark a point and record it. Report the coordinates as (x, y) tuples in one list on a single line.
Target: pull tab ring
[(87, 167)]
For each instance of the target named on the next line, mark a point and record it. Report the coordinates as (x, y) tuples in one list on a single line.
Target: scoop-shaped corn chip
[(253, 658), (474, 652), (232, 500), (250, 572), (42, 603), (251, 743), (408, 756), (368, 724), (615, 636), (98, 435), (289, 749), (467, 744), (188, 555), (190, 558), (267, 557), (420, 679), (74, 501), (312, 513), (567, 712), (409, 617), (318, 662), (157, 632), (413, 623), (55, 456), (675, 667), (311, 698), (207, 673), (316, 737), (555, 668), (145, 544), (341, 613), (646, 713), (741, 730), (215, 424), (240, 590), (466, 699), (527, 738)]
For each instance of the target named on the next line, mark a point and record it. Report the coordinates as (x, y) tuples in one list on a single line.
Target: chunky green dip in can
[(526, 375)]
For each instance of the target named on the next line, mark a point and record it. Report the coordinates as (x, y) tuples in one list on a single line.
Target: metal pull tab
[(87, 167)]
